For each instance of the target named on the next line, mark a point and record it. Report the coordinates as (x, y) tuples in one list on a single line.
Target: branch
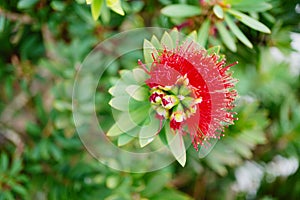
[(23, 18)]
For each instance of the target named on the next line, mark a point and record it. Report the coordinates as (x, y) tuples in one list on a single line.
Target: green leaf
[(167, 41), (114, 131), (96, 8), (192, 36), (140, 75), (120, 103), (155, 43), (149, 49), (137, 92), (149, 131), (181, 10), (203, 33), (237, 32), (124, 139), (2, 23), (25, 4), (253, 23), (16, 167), (115, 5), (156, 184), (218, 11), (252, 6), (205, 150), (19, 189), (174, 34), (226, 37), (212, 50), (4, 162), (176, 144)]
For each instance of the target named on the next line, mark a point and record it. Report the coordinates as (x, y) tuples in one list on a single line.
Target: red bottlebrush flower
[(201, 90)]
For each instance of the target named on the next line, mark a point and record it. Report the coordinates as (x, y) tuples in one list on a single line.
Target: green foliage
[(43, 44)]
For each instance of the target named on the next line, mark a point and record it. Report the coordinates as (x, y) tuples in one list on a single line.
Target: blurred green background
[(42, 44)]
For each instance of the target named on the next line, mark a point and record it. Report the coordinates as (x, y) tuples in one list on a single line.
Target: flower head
[(191, 88)]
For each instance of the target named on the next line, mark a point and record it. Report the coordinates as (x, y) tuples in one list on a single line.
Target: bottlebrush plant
[(181, 89)]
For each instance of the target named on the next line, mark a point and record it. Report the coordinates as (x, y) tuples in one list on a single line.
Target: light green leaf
[(96, 8), (120, 103), (218, 11), (176, 144), (253, 23), (203, 33), (205, 149), (237, 32), (88, 1), (174, 34), (25, 4), (155, 42), (114, 131), (167, 41), (226, 37), (193, 36), (115, 5), (252, 6), (125, 123), (124, 139), (118, 89), (149, 131), (181, 10), (149, 49), (137, 92), (215, 49), (139, 75)]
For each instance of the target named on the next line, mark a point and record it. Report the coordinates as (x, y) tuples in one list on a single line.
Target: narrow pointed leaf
[(120, 103), (96, 8), (124, 139), (114, 131), (174, 34), (115, 5), (176, 144), (155, 42), (149, 49), (137, 92), (167, 41), (237, 32), (203, 33), (148, 132), (226, 37), (253, 23), (181, 10), (206, 148), (252, 6), (139, 75), (214, 49)]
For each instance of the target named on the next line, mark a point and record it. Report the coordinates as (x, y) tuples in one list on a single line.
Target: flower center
[(175, 102)]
